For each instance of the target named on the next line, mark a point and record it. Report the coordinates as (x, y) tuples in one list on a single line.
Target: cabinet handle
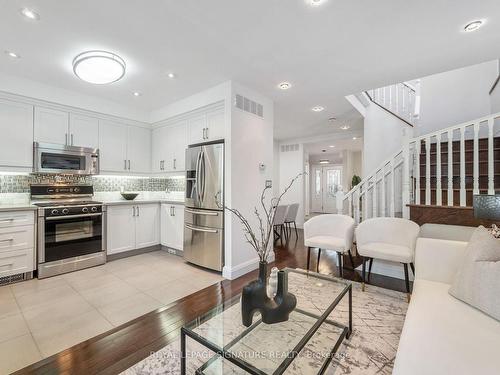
[(173, 210), (7, 220), (175, 163), (71, 139), (163, 165), (206, 132), (133, 207), (125, 167), (66, 139), (7, 240), (138, 211), (129, 165), (160, 166)]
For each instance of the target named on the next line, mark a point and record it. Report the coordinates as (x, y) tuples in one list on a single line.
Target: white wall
[(276, 168), (292, 163), (383, 136), (248, 143), (456, 96), (495, 95)]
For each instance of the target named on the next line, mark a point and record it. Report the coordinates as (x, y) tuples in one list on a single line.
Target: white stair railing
[(398, 181), (400, 99)]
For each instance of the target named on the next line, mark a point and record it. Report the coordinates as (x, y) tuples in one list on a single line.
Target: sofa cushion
[(386, 251), (443, 335), (478, 280)]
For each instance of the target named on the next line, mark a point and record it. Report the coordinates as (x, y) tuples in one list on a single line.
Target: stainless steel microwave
[(61, 159)]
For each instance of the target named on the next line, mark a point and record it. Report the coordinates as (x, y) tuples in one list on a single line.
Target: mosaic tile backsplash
[(21, 183)]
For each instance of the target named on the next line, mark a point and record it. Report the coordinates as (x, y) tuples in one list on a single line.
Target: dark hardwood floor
[(122, 347)]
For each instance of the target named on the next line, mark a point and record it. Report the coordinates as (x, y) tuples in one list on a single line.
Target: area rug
[(378, 317)]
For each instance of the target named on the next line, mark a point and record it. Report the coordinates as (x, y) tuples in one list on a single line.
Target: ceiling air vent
[(289, 148), (249, 106)]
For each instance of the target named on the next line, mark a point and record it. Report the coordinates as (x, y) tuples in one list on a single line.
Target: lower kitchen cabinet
[(172, 226), (131, 227)]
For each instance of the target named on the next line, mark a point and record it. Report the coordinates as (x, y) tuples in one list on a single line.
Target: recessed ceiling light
[(171, 75), (354, 138), (12, 54), (345, 127), (136, 93), (473, 26), (30, 13), (315, 3), (332, 146), (324, 161), (99, 67), (318, 108), (285, 85)]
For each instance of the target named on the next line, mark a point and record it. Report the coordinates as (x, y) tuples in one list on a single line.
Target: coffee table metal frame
[(226, 354)]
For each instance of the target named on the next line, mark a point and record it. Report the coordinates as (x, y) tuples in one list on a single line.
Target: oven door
[(65, 159), (68, 237)]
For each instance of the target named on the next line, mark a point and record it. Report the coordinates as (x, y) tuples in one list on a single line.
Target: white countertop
[(15, 202), (144, 197)]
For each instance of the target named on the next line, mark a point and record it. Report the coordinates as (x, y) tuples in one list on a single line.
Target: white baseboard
[(241, 269), (391, 269)]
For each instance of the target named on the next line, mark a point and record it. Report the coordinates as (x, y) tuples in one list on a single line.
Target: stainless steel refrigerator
[(204, 218)]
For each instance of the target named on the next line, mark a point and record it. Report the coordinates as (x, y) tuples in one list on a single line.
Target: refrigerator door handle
[(203, 179), (198, 162), (199, 212)]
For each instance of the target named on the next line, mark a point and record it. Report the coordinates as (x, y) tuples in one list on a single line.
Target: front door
[(326, 181)]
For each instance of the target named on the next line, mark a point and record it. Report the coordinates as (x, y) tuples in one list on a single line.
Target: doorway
[(326, 182)]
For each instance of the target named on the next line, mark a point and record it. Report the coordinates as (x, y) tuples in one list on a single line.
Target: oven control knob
[(85, 209), (65, 211), (94, 209), (54, 212)]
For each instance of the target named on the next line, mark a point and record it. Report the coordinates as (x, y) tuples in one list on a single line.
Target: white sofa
[(442, 335)]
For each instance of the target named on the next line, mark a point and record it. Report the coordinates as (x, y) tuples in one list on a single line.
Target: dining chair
[(329, 232), (279, 223), (291, 218)]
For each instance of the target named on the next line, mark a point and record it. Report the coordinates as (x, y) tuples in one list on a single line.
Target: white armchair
[(329, 232), (387, 238)]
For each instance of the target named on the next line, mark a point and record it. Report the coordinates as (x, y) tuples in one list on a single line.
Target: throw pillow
[(478, 280)]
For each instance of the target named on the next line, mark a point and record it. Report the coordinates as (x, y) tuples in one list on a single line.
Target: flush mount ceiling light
[(324, 161), (315, 3), (136, 93), (99, 67), (30, 14), (345, 127), (171, 75), (473, 26), (284, 85), (318, 108), (354, 138), (332, 146), (12, 54)]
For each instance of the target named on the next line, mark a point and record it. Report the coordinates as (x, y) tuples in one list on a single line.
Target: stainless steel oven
[(71, 233), (53, 158)]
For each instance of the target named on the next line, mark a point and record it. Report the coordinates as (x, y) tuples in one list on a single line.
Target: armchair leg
[(308, 257), (370, 269), (341, 266), (317, 264), (412, 266), (407, 281), (363, 271), (350, 258)]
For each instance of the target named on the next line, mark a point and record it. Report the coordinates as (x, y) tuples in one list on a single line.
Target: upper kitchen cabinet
[(124, 148), (169, 148), (60, 127), (113, 147), (138, 149), (51, 126), (207, 127), (84, 131), (16, 127)]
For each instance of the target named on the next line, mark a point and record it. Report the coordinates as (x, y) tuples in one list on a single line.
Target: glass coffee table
[(304, 344)]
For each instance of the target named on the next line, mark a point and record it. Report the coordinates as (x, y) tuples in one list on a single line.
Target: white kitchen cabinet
[(131, 227), (83, 131), (169, 148), (138, 149), (172, 226), (215, 125), (113, 146), (51, 126), (147, 225), (16, 127), (209, 126), (120, 228)]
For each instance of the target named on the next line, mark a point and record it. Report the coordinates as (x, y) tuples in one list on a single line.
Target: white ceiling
[(341, 144), (326, 52)]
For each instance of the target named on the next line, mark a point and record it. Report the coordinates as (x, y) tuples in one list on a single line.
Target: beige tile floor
[(39, 318)]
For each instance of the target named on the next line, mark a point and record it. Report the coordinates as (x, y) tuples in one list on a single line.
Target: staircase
[(441, 169)]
